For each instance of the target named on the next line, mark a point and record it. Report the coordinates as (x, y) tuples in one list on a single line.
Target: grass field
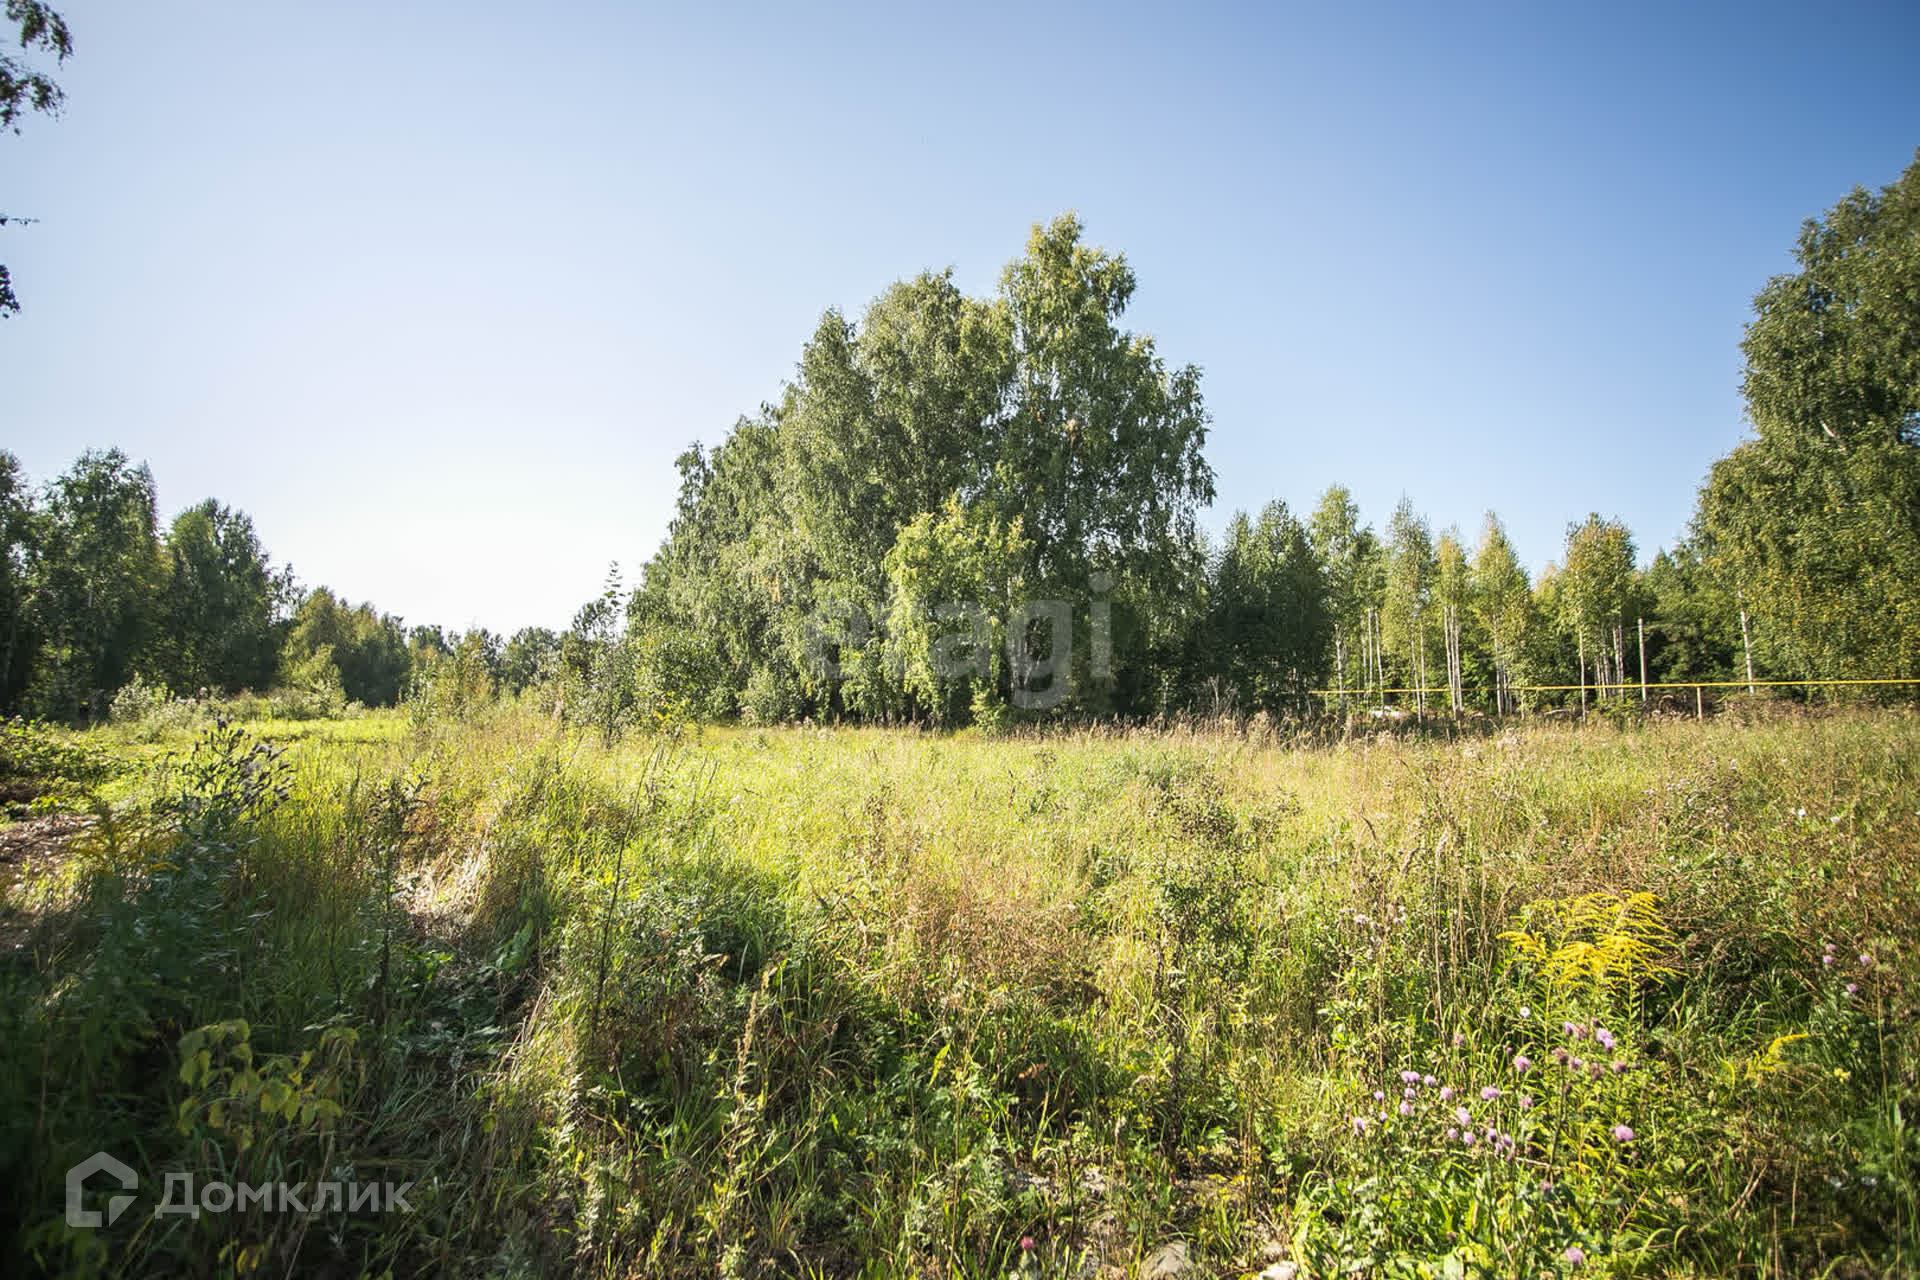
[(1596, 1000)]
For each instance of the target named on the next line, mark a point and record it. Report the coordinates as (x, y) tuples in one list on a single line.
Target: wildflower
[(1560, 1055), (1827, 960), (1446, 1094), (1428, 1081), (1579, 1064), (1605, 1037), (1573, 1029), (1466, 1138), (1525, 1012), (1409, 1092), (1526, 1103), (1359, 1124), (1866, 960), (1459, 1039), (1853, 988), (1406, 1108), (1596, 1070), (1026, 1244), (1522, 1063), (1829, 948), (1574, 1255), (1619, 1067), (1453, 1135), (1410, 1077), (1379, 1096), (1463, 1115), (1622, 1134), (1489, 1093)]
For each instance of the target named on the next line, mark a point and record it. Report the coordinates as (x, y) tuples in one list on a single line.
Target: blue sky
[(437, 291)]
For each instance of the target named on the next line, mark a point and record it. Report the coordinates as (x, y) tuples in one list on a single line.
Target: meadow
[(1630, 998)]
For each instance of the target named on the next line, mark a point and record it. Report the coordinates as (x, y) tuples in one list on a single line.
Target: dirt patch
[(37, 844), (31, 849)]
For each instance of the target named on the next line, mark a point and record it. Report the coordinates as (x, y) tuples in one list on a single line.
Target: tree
[(1102, 452), (1343, 548), (1833, 351), (221, 611), (1032, 408), (529, 658), (1502, 602), (1694, 636), (368, 650), (1405, 612), (1268, 621), (1815, 522), (99, 578), (19, 639), (1598, 593), (23, 87), (957, 579), (1451, 593)]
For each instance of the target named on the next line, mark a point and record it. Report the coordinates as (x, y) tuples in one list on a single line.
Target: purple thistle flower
[(1526, 1103), (1406, 1108), (1466, 1138), (1453, 1135), (1459, 1039), (1522, 1063), (1827, 960), (1574, 1255), (1605, 1037), (1359, 1124), (1853, 988), (1463, 1115), (1560, 1055), (1622, 1134), (1829, 948), (1489, 1093), (1410, 1077), (1428, 1081), (1379, 1096), (1866, 960), (1446, 1094)]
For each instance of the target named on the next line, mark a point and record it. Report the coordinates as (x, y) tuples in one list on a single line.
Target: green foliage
[(957, 576), (1812, 523), (1031, 411), (896, 1001), (38, 761), (99, 573), (368, 650), (1268, 626), (26, 87)]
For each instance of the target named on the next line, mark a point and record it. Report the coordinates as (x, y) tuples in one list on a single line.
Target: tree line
[(879, 543), (947, 449), (95, 594)]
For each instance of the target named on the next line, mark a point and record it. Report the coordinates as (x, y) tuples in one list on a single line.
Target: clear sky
[(436, 291)]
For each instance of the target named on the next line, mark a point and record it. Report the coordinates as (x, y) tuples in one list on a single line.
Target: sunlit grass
[(809, 1001)]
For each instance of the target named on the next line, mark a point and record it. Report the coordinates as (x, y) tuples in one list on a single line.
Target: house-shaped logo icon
[(76, 1182)]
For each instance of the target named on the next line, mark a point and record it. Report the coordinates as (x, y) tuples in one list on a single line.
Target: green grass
[(875, 1003)]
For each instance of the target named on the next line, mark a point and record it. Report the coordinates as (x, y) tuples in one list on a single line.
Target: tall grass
[(872, 1003)]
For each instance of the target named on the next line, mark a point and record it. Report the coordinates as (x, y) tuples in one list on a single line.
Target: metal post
[(1643, 662)]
